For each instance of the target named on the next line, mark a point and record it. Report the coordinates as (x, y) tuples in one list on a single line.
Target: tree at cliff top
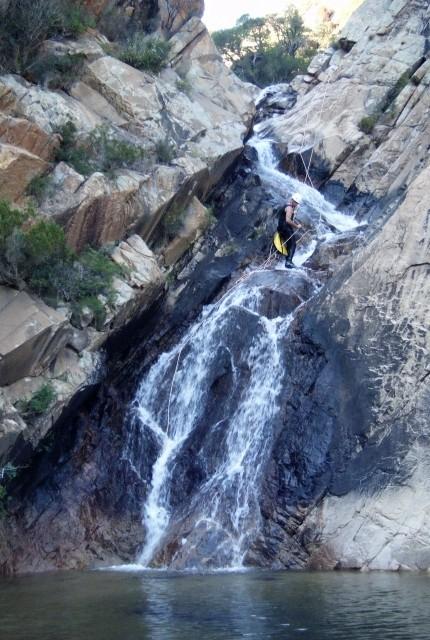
[(268, 50)]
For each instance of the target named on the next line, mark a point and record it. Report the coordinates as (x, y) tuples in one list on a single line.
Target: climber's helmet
[(297, 197)]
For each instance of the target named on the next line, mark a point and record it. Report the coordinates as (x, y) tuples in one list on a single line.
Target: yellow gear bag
[(279, 245)]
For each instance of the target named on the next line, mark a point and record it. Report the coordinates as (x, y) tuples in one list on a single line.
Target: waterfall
[(220, 387)]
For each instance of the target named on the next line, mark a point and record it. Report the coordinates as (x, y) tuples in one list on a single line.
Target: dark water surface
[(162, 606)]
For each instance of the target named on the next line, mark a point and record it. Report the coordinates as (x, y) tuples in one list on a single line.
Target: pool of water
[(161, 606)]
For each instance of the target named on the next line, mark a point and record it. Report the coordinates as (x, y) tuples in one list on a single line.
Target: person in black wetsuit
[(287, 227)]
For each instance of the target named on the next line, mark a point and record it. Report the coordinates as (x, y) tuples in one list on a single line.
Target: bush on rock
[(34, 252), (101, 150), (25, 24), (145, 53)]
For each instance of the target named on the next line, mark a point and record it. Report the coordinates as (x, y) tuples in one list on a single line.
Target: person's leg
[(292, 248)]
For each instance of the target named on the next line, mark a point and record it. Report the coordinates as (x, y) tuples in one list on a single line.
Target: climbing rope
[(272, 257)]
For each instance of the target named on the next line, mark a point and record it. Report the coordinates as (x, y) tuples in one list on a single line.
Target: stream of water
[(172, 400)]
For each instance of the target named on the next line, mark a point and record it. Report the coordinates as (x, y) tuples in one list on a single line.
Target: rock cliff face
[(346, 479), (167, 15), (360, 121), (348, 487), (195, 105)]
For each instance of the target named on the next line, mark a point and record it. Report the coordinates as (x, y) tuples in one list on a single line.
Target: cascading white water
[(284, 185), (225, 508), (231, 490)]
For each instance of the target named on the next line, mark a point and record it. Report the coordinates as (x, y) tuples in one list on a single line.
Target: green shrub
[(39, 256), (165, 151), (13, 259), (96, 306), (74, 278), (38, 187), (401, 83), (57, 71), (39, 403), (367, 124), (229, 248), (145, 53), (56, 281), (99, 151), (76, 19), (26, 24), (10, 219), (114, 23), (110, 153), (45, 241), (210, 214), (98, 274), (72, 153), (173, 221)]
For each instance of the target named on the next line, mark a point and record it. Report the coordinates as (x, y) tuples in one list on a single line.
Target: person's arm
[(289, 217)]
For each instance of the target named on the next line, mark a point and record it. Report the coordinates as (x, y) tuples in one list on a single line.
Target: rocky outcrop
[(29, 136), (194, 222), (355, 445), (205, 122), (362, 108), (18, 167), (175, 13), (168, 15), (39, 346), (31, 335), (196, 106)]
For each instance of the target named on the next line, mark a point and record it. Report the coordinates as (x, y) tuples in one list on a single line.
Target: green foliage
[(173, 221), (267, 50), (367, 124), (165, 151), (25, 24), (70, 151), (96, 306), (45, 241), (10, 218), (109, 153), (39, 403), (145, 53), (57, 71), (100, 151), (401, 83), (386, 107), (72, 279), (38, 187), (114, 23), (38, 255), (274, 67), (98, 271), (76, 20)]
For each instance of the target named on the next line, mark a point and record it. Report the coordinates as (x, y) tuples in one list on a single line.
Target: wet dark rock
[(328, 254), (275, 101)]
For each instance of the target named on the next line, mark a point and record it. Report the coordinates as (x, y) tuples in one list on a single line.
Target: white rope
[(268, 262)]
